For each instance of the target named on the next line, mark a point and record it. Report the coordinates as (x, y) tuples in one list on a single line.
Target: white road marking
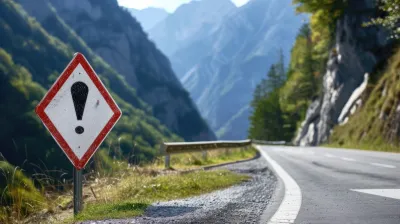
[(291, 203), (330, 155), (348, 159), (383, 165), (388, 193)]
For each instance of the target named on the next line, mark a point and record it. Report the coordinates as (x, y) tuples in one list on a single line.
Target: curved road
[(335, 185)]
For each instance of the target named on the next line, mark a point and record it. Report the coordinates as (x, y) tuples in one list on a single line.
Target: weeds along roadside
[(43, 196)]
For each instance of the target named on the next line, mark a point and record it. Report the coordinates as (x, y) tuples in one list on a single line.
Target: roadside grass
[(18, 195), (195, 160), (133, 194), (116, 189)]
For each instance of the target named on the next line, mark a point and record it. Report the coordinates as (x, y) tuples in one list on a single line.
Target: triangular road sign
[(78, 111)]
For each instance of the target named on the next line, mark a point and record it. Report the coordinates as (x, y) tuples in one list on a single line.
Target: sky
[(169, 5)]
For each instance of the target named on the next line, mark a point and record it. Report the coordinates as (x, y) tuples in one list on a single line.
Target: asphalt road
[(324, 185)]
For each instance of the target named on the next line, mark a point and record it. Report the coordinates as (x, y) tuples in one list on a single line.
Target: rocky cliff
[(358, 52), (113, 34)]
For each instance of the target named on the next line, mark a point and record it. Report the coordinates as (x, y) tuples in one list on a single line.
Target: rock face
[(113, 34), (358, 51)]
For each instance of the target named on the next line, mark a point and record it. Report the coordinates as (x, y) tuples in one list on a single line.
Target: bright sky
[(169, 5)]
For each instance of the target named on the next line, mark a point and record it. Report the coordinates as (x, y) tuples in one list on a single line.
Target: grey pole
[(167, 161), (204, 154), (226, 151), (77, 191)]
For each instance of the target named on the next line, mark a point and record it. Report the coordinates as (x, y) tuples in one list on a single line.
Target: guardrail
[(269, 142), (169, 148)]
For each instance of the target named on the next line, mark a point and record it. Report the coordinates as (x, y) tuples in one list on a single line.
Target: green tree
[(392, 18), (302, 83), (276, 74), (280, 67), (280, 103), (324, 14), (266, 122), (260, 92)]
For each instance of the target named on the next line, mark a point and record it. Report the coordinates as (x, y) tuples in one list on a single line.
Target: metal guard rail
[(168, 148), (183, 147), (269, 142)]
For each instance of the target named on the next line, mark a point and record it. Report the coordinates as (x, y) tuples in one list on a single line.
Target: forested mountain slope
[(113, 34), (31, 59)]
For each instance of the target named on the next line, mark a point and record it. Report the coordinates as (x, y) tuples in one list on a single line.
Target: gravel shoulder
[(244, 203)]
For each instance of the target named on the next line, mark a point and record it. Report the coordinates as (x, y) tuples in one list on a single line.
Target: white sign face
[(78, 111), (96, 113)]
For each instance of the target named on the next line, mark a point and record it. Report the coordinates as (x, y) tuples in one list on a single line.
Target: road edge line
[(290, 206)]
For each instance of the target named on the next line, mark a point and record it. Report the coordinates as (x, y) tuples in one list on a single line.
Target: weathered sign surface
[(78, 111)]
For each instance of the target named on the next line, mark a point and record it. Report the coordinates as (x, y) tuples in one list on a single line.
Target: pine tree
[(260, 92), (276, 74), (280, 66), (266, 122)]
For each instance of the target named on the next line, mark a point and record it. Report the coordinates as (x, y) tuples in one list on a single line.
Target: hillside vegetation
[(113, 34), (376, 126)]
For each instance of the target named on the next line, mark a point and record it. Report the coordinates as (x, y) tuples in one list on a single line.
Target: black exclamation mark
[(79, 91)]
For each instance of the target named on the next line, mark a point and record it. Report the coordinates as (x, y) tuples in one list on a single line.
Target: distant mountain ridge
[(149, 17), (191, 21), (221, 65)]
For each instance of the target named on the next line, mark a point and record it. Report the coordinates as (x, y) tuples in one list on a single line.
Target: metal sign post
[(204, 152), (167, 161), (79, 112), (77, 191)]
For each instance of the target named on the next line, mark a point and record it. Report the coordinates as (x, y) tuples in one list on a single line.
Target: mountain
[(190, 22), (221, 69), (31, 59), (149, 17), (114, 35), (355, 63)]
